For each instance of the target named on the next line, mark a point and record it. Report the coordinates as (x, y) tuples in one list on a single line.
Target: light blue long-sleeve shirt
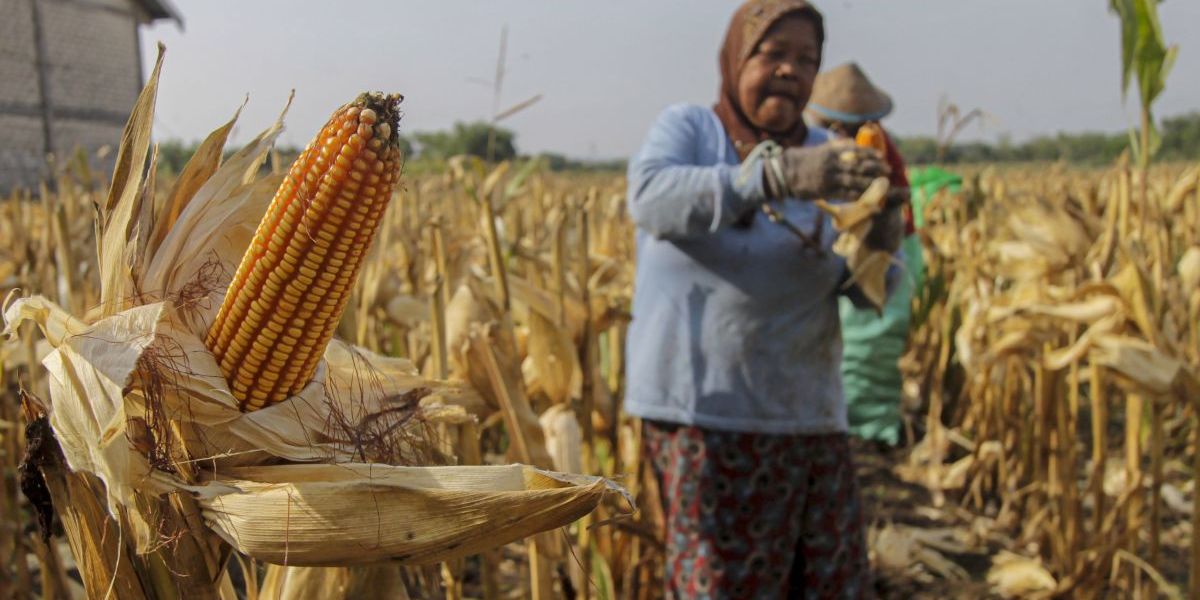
[(733, 329)]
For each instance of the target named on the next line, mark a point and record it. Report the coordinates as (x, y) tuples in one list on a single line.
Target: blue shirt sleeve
[(672, 195)]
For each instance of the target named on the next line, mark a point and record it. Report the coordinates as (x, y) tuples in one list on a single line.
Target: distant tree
[(1181, 137), (918, 150), (555, 161), (435, 144), (468, 138), (406, 147), (1180, 141)]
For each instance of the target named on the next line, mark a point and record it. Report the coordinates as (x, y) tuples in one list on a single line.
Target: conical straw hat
[(844, 94)]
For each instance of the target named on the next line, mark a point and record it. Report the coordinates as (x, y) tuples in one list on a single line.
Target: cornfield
[(1051, 382), (1056, 364)]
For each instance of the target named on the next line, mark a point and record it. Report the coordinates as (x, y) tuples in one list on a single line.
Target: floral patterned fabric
[(758, 515)]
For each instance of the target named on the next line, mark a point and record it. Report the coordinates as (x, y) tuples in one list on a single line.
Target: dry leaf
[(118, 213), (1014, 576), (313, 515), (564, 439), (1189, 268)]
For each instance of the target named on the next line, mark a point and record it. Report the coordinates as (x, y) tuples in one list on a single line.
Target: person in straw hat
[(843, 100), (734, 348)]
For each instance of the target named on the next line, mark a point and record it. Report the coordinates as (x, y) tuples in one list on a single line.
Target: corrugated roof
[(161, 9)]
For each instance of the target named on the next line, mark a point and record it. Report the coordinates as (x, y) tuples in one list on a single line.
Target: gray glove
[(887, 230), (825, 171), (898, 196)]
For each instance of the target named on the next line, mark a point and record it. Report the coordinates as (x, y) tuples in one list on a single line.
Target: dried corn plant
[(1052, 369), (182, 446), (45, 244), (519, 281), (1058, 357), (515, 282)]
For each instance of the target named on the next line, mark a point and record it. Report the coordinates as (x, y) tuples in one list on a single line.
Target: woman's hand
[(887, 230), (826, 171)]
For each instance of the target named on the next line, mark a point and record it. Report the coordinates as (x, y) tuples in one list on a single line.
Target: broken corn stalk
[(295, 279)]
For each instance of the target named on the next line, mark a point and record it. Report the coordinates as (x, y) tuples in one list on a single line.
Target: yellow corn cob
[(871, 136), (293, 283)]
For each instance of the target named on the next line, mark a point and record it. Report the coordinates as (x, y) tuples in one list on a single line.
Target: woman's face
[(777, 79)]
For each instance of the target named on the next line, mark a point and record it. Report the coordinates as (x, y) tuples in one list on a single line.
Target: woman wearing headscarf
[(734, 350)]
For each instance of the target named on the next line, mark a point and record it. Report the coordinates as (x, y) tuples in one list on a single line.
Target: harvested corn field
[(339, 371), (1020, 378)]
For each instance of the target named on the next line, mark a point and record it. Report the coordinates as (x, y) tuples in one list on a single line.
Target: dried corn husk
[(407, 310), (91, 416), (868, 267), (469, 307), (1140, 361), (564, 439), (374, 582), (553, 361), (1014, 576), (487, 349), (291, 514), (1189, 269), (1185, 186)]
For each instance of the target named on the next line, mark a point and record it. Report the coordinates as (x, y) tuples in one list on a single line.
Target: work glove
[(897, 196), (834, 170), (887, 230)]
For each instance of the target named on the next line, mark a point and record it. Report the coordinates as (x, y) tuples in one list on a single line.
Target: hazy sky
[(606, 68)]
